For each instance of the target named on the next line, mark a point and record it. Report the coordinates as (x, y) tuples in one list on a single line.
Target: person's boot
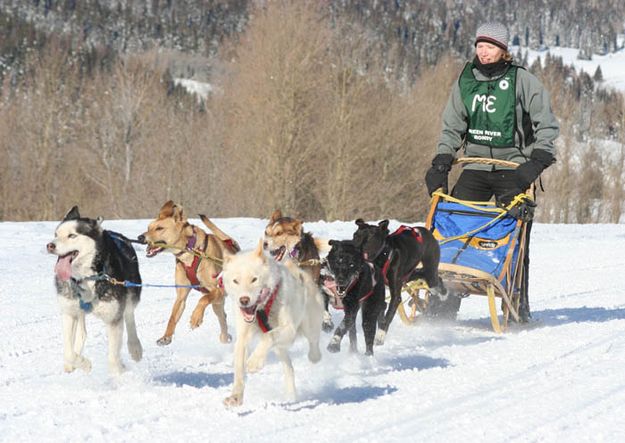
[(524, 312)]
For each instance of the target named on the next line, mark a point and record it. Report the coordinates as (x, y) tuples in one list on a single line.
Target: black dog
[(398, 255), (357, 283)]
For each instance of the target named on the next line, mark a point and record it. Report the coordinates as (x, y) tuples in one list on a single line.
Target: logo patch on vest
[(491, 107)]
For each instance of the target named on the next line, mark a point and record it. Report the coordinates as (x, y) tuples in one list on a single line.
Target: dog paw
[(290, 394), (82, 363), (233, 400), (225, 338), (196, 319), (369, 352), (379, 337), (327, 325), (135, 350), (335, 345), (314, 354), (164, 340), (78, 363), (255, 363), (116, 368)]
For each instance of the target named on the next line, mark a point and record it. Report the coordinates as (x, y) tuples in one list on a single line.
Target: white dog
[(277, 301)]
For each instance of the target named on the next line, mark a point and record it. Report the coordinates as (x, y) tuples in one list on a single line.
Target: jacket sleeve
[(454, 124), (536, 102)]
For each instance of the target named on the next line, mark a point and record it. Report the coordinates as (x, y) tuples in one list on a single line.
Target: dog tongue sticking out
[(63, 267)]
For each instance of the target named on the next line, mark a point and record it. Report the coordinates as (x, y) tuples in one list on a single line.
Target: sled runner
[(482, 251)]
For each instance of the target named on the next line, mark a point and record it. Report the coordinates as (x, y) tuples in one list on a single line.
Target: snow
[(558, 379), (201, 89), (612, 64)]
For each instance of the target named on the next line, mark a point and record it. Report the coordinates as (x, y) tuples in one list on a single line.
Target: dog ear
[(298, 226), (72, 214), (383, 224), (275, 216), (179, 214), (167, 210), (259, 250), (332, 242), (360, 222)]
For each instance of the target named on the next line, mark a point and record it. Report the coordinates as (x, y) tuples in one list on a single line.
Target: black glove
[(522, 211), (529, 171), (436, 177)]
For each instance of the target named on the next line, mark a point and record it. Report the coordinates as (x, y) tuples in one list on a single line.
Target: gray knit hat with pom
[(494, 33)]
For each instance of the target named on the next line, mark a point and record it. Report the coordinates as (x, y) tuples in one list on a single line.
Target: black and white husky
[(86, 254)]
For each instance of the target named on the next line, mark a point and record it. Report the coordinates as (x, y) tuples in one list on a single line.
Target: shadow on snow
[(195, 379), (556, 317)]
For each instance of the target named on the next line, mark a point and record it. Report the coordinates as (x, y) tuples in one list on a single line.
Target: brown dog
[(285, 237), (198, 263)]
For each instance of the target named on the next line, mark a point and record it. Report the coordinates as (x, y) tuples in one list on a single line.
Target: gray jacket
[(533, 110)]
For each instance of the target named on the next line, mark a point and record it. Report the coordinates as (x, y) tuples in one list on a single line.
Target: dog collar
[(294, 252), (190, 244)]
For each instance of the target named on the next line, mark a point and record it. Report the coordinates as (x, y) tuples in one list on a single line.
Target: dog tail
[(323, 245), (221, 235)]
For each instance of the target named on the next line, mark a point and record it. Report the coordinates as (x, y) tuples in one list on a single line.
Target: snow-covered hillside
[(612, 64), (560, 379)]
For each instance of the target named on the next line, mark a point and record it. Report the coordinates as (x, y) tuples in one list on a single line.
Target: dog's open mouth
[(63, 267), (249, 313), (152, 250), (278, 254), (329, 285), (331, 289)]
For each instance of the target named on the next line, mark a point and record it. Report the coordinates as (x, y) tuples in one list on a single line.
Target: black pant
[(481, 186)]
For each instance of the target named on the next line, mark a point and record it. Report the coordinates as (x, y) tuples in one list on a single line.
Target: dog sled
[(482, 248)]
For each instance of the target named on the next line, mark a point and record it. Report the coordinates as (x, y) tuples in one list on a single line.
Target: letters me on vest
[(491, 107)]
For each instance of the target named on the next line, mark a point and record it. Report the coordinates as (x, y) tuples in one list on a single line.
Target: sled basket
[(482, 251)]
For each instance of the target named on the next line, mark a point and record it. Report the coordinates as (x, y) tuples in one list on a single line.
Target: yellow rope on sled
[(518, 199)]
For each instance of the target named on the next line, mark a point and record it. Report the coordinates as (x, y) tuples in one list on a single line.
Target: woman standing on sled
[(496, 110)]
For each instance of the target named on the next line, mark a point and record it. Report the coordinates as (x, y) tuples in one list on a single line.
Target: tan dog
[(285, 237), (198, 262)]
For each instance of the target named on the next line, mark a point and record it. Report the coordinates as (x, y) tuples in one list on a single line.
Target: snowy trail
[(559, 379)]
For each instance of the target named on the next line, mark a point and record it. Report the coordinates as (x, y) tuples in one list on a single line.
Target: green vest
[(491, 107)]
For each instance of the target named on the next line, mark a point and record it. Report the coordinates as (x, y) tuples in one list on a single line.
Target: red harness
[(403, 228), (373, 282), (414, 231), (191, 271), (262, 315)]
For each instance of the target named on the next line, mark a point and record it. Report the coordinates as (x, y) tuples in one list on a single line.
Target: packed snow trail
[(559, 379)]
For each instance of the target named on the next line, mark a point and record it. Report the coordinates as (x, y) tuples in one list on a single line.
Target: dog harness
[(403, 228), (191, 271), (373, 283), (262, 315)]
